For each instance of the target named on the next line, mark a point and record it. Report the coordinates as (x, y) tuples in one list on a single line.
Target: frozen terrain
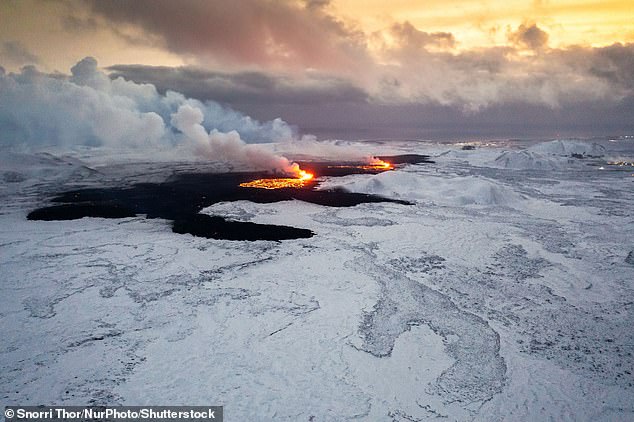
[(505, 292)]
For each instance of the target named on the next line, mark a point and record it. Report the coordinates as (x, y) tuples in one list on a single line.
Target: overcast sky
[(356, 68)]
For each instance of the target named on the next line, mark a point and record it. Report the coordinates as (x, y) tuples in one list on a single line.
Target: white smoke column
[(219, 146)]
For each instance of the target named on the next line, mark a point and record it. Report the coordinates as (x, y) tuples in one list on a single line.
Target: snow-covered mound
[(470, 190), (18, 167), (528, 160), (567, 148), (22, 171), (553, 155)]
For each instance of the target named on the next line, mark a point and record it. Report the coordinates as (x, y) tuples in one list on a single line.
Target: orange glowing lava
[(303, 178), (376, 165)]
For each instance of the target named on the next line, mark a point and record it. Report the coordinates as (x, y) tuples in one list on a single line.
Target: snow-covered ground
[(504, 293)]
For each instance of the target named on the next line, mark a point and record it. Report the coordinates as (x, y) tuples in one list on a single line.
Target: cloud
[(512, 119), (88, 108), (316, 4), (406, 35), (479, 78), (295, 59), (498, 90), (14, 53), (245, 87), (74, 23), (297, 52), (278, 34), (529, 36), (613, 63)]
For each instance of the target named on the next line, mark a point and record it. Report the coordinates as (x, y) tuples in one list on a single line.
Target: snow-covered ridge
[(553, 155), (469, 190), (457, 190), (570, 148)]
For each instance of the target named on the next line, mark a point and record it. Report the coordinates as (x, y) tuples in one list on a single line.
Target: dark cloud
[(611, 64), (616, 64), (425, 89), (300, 39), (316, 4), (407, 35), (13, 52), (75, 23), (438, 122), (244, 87), (263, 33), (353, 116), (75, 20), (529, 36)]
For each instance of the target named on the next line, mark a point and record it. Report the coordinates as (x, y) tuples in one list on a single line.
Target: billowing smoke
[(87, 108), (226, 146)]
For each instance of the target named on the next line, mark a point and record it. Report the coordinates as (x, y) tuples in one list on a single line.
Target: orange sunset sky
[(405, 61)]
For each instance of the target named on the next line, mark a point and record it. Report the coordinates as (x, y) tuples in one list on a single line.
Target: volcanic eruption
[(302, 179), (376, 164)]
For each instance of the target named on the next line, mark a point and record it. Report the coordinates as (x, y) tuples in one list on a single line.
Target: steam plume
[(87, 108), (229, 147)]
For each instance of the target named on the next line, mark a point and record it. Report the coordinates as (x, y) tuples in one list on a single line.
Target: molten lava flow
[(621, 163), (376, 165), (303, 177)]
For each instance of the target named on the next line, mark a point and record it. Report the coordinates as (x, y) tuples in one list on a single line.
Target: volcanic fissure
[(182, 197)]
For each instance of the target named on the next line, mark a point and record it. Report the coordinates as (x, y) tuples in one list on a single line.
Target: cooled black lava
[(328, 168), (181, 198)]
